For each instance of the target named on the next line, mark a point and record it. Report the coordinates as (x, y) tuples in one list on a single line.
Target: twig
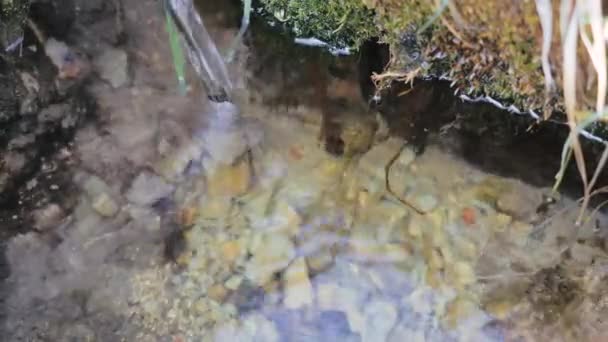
[(40, 36), (387, 183)]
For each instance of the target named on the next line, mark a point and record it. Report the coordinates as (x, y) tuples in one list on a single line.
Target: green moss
[(13, 14), (340, 23)]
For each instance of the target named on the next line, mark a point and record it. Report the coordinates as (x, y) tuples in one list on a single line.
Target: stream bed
[(296, 214)]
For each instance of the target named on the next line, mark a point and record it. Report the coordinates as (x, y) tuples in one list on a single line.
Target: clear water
[(198, 222)]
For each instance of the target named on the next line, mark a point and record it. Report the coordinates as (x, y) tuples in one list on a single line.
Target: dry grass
[(580, 21)]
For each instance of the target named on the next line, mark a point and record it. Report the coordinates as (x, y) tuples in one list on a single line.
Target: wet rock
[(271, 254), (105, 205), (380, 317), (248, 297), (365, 250), (320, 261), (333, 297), (147, 188), (254, 327), (404, 332), (298, 289), (217, 292), (231, 250), (234, 282), (112, 66), (230, 180), (373, 163), (216, 208), (48, 217), (425, 202)]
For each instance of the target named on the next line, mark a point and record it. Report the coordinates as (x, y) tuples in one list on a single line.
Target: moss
[(13, 14), (340, 23)]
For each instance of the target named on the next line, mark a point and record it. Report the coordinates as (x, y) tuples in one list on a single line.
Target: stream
[(300, 210)]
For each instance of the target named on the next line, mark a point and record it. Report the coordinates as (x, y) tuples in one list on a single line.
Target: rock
[(404, 332), (372, 164), (462, 273), (458, 310), (425, 202), (332, 297), (369, 251), (112, 66), (93, 186), (147, 188), (105, 205), (175, 161), (380, 317), (272, 254), (230, 180), (298, 289), (231, 250), (145, 217), (385, 217), (216, 209), (48, 217), (260, 329), (320, 261), (234, 282), (217, 292)]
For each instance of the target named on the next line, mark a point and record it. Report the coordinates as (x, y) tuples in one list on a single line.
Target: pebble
[(48, 217), (375, 160), (234, 282), (298, 289), (112, 66), (426, 202), (147, 188), (320, 261), (380, 317), (368, 251), (332, 297), (231, 250), (217, 292), (230, 180), (105, 205), (272, 254)]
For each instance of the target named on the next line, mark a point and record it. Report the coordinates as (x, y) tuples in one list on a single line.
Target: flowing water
[(297, 213)]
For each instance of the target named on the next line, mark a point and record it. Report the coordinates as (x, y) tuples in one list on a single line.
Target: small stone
[(331, 297), (217, 292), (216, 208), (258, 328), (231, 250), (298, 289), (368, 251), (403, 332), (501, 309), (112, 66), (104, 205), (272, 254), (380, 317), (320, 261), (230, 180), (426, 202), (463, 273), (147, 188), (458, 310), (234, 282), (375, 160), (48, 217), (501, 221)]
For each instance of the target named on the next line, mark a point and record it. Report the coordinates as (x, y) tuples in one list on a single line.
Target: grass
[(582, 21)]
